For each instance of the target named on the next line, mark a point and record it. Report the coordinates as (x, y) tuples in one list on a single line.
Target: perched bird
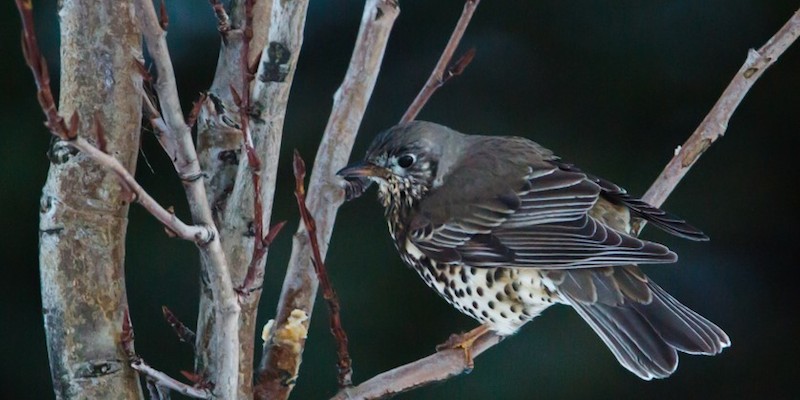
[(502, 229)]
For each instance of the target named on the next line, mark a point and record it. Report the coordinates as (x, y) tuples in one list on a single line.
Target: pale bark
[(278, 38), (282, 359), (177, 142), (84, 208)]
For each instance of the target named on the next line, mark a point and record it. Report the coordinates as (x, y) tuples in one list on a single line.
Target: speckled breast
[(503, 298)]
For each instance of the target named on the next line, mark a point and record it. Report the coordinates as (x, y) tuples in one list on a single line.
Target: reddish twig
[(99, 133), (163, 16), (443, 70), (184, 334), (243, 101), (223, 22), (339, 334), (126, 335), (196, 107), (38, 65), (260, 250), (158, 378)]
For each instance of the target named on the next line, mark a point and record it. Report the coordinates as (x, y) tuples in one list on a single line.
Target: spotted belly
[(503, 298)]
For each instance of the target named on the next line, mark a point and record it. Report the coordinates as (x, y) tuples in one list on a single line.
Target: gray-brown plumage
[(502, 229)]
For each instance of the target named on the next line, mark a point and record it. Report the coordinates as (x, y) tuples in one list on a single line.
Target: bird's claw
[(464, 341)]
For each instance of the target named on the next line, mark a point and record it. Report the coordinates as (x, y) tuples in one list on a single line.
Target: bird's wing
[(639, 208), (510, 210)]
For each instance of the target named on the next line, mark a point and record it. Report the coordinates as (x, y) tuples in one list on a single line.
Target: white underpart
[(514, 297)]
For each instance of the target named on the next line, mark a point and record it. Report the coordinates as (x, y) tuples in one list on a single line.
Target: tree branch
[(161, 379), (439, 75), (715, 123), (281, 363), (448, 363), (439, 366), (274, 45), (177, 141)]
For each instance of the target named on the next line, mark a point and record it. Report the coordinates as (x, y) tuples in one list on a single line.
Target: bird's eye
[(406, 160)]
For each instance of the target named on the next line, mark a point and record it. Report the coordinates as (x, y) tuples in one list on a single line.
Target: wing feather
[(524, 211)]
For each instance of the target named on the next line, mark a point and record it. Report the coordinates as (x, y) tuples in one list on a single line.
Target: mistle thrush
[(502, 229)]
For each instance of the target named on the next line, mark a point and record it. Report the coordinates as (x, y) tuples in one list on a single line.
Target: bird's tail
[(645, 336)]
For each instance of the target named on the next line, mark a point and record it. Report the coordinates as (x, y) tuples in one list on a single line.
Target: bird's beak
[(363, 170)]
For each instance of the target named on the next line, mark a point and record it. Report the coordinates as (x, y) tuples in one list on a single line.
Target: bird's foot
[(464, 341)]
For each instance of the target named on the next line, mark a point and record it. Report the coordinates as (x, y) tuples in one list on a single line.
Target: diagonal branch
[(716, 122), (448, 363), (69, 134), (444, 70), (282, 360)]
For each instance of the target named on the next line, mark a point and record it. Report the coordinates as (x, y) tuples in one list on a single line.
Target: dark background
[(611, 86)]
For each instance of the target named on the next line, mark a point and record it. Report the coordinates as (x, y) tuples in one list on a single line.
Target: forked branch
[(69, 134)]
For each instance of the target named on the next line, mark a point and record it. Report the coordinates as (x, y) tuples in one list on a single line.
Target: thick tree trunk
[(83, 207)]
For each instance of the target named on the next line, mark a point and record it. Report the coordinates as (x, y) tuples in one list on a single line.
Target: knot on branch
[(276, 68), (60, 151), (205, 235), (97, 368)]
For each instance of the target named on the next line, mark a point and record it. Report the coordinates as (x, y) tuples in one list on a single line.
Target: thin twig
[(163, 380), (255, 269), (447, 363), (256, 266), (442, 73), (159, 378), (184, 334), (223, 22), (345, 364)]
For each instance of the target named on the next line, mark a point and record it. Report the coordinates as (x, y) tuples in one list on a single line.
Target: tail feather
[(645, 338), (681, 327)]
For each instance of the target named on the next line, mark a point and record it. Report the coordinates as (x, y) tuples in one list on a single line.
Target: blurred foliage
[(611, 88)]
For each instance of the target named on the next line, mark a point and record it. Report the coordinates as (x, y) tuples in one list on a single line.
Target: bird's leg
[(465, 341)]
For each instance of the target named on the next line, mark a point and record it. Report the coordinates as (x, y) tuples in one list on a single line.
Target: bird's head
[(404, 160)]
